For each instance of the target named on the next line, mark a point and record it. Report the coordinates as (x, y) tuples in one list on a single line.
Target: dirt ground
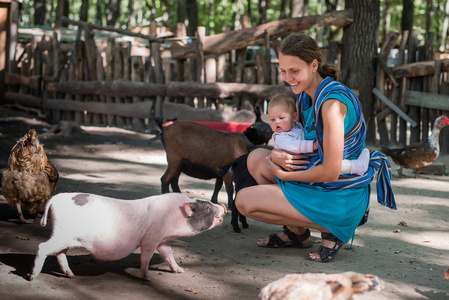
[(220, 264)]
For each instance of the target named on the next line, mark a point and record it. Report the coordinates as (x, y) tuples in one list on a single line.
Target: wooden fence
[(413, 94)]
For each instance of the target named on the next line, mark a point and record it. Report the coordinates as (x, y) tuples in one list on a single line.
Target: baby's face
[(281, 119)]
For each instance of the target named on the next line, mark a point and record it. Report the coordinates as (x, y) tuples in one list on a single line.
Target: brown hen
[(419, 155), (320, 286), (30, 179)]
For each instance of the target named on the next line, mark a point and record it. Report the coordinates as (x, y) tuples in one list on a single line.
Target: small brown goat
[(199, 152)]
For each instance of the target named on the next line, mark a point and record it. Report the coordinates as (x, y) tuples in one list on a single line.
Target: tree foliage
[(219, 15)]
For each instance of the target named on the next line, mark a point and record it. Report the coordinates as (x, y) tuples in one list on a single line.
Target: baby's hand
[(315, 146)]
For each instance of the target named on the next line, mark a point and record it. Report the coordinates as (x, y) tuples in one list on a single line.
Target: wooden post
[(415, 85), (79, 75), (402, 86), (211, 77), (386, 48), (103, 118), (201, 33), (137, 75), (267, 58), (110, 72), (157, 66), (118, 75), (181, 34)]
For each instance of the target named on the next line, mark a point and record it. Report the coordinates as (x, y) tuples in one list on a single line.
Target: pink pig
[(111, 229)]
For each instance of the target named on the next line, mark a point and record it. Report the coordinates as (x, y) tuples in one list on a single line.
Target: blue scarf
[(353, 142)]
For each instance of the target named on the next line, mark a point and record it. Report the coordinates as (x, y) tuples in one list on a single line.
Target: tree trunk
[(112, 12), (299, 8), (407, 15), (59, 14), (99, 12), (386, 19), (263, 5), (192, 15), (358, 67), (429, 15), (284, 9), (84, 10), (41, 12), (181, 14), (445, 26)]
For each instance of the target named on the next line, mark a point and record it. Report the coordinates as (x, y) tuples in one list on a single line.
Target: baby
[(288, 134)]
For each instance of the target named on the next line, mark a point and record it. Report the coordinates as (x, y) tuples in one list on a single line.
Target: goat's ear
[(188, 207)]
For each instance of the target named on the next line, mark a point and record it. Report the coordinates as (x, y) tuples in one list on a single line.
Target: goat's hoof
[(237, 229)]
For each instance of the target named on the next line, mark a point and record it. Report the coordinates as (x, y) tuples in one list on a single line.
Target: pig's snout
[(224, 209)]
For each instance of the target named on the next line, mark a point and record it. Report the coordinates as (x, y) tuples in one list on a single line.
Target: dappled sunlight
[(139, 157), (440, 183)]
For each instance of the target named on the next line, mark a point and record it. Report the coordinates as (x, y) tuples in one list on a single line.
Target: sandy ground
[(221, 264)]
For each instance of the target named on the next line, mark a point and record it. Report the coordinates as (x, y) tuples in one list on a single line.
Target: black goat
[(259, 132)]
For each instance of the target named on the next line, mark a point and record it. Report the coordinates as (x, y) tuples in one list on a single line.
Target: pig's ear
[(188, 208)]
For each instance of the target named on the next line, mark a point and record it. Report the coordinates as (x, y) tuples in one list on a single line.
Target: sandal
[(326, 254), (296, 240)]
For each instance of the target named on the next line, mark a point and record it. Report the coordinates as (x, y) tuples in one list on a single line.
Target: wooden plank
[(139, 110), (427, 100), (112, 29), (237, 39), (394, 107)]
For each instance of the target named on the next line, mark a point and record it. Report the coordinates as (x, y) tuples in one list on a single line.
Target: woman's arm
[(333, 113)]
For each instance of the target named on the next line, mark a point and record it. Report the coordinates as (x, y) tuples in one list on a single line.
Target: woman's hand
[(275, 169), (287, 161)]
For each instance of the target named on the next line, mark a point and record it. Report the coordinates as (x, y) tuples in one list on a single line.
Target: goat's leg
[(171, 175), (232, 207), (242, 219), (174, 183), (218, 185), (165, 187)]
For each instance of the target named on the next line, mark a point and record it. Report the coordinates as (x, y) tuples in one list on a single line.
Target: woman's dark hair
[(305, 47)]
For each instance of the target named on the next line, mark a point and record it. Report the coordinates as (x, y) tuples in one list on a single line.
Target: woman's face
[(296, 72)]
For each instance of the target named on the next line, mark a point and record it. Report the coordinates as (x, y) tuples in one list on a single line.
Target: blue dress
[(339, 211)]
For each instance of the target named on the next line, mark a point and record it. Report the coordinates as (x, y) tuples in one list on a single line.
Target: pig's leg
[(53, 245), (64, 264), (146, 253), (165, 250)]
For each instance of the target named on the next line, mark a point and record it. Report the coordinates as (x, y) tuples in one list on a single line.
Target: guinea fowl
[(259, 132), (30, 179), (320, 286), (419, 155)]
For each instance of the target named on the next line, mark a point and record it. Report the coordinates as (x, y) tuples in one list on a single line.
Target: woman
[(317, 197)]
